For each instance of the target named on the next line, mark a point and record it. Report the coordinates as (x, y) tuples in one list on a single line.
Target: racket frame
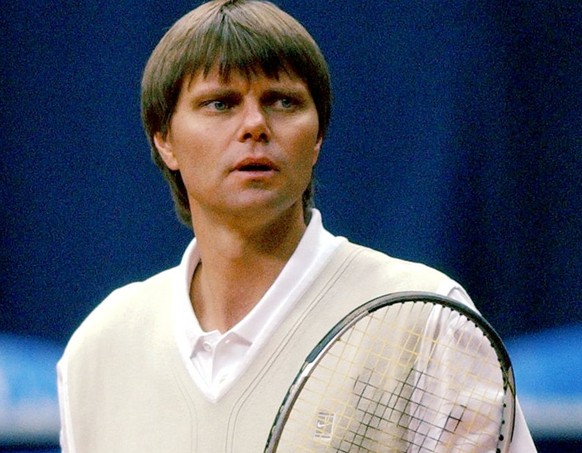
[(370, 307)]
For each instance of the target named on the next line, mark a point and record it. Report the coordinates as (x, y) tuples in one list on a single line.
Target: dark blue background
[(455, 140)]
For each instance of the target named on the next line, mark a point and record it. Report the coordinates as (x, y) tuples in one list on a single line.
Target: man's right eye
[(217, 105)]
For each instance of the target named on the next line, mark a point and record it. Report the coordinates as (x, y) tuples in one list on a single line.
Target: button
[(207, 346)]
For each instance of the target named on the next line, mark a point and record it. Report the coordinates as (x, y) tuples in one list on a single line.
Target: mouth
[(255, 165)]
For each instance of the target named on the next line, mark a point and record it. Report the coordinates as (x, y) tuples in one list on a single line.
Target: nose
[(254, 123)]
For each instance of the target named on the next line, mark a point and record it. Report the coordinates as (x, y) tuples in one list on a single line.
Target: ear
[(317, 149), (164, 147)]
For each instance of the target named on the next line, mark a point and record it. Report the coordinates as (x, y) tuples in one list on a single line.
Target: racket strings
[(463, 387), (396, 381), (375, 408), (378, 408)]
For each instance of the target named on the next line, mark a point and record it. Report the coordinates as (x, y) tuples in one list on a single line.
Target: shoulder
[(387, 274), (369, 259), (137, 304), (134, 298)]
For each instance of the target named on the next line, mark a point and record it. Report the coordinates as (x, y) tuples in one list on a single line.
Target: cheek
[(310, 145), (188, 147), (305, 141)]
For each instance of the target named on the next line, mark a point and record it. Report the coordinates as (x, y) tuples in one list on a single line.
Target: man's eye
[(218, 105), (285, 103)]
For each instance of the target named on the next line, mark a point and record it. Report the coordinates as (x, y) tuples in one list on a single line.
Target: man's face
[(244, 147)]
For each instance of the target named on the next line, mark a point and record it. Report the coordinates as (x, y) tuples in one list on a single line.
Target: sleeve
[(522, 440), (66, 437)]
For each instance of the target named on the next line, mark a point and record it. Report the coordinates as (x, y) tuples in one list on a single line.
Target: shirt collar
[(314, 247)]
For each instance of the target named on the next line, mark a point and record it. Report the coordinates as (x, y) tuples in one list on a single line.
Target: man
[(236, 104)]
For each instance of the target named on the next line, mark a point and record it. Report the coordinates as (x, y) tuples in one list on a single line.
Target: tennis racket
[(406, 372)]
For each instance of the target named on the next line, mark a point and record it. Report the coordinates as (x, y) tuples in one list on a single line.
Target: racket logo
[(324, 426)]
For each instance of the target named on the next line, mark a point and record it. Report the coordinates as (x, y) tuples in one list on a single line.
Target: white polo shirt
[(216, 360)]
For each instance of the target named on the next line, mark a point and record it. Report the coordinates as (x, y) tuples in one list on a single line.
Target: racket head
[(408, 371)]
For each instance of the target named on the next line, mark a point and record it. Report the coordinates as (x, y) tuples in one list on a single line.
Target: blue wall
[(456, 140)]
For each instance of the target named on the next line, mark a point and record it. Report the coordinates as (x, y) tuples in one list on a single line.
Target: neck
[(237, 266)]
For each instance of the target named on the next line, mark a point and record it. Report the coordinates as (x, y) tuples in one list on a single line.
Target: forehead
[(216, 77)]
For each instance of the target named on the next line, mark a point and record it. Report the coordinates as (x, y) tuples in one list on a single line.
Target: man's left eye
[(219, 105), (285, 103)]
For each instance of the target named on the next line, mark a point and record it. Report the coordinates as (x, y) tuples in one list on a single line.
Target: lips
[(255, 164)]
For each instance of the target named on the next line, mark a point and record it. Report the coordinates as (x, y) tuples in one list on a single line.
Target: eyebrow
[(218, 91), (297, 91), (294, 92)]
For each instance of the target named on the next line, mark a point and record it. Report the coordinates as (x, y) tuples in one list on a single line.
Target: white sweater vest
[(130, 393)]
